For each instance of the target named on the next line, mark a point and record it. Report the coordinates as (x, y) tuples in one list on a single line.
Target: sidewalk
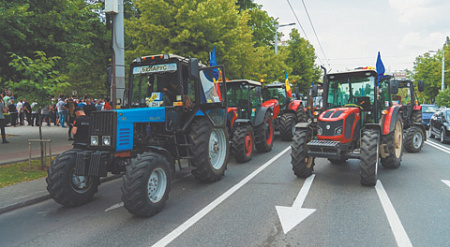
[(27, 193)]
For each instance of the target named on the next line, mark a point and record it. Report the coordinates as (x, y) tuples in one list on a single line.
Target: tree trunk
[(40, 138)]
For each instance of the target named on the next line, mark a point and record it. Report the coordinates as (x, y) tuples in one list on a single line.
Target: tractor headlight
[(338, 131), (106, 140), (319, 131), (94, 140)]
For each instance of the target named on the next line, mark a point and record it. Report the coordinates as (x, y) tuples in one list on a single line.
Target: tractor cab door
[(213, 94)]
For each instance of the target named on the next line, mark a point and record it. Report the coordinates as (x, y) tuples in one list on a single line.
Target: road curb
[(38, 199)]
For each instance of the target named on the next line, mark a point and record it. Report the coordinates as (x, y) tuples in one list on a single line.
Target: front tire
[(394, 142), (242, 143), (146, 184), (369, 157), (414, 140), (210, 149), (302, 163), (64, 186), (287, 126), (264, 134)]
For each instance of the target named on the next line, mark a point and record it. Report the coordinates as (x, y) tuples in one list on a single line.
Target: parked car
[(440, 125), (427, 112)]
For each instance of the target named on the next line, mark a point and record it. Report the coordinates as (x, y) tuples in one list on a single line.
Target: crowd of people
[(61, 112)]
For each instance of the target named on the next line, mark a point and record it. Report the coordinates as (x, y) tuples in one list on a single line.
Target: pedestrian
[(3, 109), (20, 112), (12, 112), (27, 108), (45, 115), (54, 114), (61, 112), (89, 107), (80, 129), (70, 107), (98, 104), (34, 113), (106, 106)]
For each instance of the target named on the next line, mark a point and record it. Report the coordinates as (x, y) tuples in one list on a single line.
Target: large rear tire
[(64, 186), (394, 142), (369, 157), (414, 138), (210, 149), (287, 126), (264, 134), (301, 116), (146, 184), (242, 145), (302, 164)]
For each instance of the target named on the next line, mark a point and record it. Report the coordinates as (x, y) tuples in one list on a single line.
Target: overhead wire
[(315, 33)]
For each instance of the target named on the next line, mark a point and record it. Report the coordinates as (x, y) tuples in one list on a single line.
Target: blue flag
[(380, 67)]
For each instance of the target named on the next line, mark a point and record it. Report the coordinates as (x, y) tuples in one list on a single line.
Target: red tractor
[(414, 131), (359, 121), (286, 110), (249, 122)]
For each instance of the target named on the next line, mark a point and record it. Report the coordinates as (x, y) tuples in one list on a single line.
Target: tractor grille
[(328, 128), (102, 123)]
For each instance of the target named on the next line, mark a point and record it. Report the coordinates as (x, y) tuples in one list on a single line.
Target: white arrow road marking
[(396, 225), (292, 216), (438, 146), (191, 221), (118, 205), (447, 182)]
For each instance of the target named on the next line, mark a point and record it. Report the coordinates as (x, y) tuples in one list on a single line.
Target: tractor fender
[(417, 108), (295, 104), (302, 125), (260, 115), (238, 122), (231, 116), (164, 152), (388, 120)]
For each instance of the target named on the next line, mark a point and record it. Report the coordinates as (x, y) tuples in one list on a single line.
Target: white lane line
[(447, 182), (437, 146), (118, 205), (191, 221), (396, 225)]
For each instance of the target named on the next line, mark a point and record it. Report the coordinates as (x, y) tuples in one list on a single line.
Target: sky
[(351, 32)]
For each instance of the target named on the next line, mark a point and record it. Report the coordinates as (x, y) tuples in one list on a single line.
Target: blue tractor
[(174, 112)]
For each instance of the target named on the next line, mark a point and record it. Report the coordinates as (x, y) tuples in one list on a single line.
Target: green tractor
[(175, 110)]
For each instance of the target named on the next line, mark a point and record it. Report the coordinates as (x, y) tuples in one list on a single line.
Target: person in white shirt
[(20, 112)]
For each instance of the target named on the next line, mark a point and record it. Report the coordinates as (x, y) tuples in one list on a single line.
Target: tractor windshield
[(350, 90), (155, 85), (239, 95)]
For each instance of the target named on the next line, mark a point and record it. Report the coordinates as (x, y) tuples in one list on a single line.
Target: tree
[(429, 69), (301, 59), (443, 98), (70, 29), (39, 81)]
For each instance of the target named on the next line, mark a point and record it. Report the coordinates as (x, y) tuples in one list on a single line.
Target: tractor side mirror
[(394, 87), (314, 91), (421, 86), (193, 67)]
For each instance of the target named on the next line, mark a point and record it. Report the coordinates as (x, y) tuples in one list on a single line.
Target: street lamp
[(276, 34)]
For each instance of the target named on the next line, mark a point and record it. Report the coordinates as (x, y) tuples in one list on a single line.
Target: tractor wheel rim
[(269, 131), (417, 140), (217, 148), (80, 184), (248, 144), (398, 139), (156, 186)]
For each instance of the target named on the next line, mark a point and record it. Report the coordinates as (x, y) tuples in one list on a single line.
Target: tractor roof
[(352, 72), (241, 81)]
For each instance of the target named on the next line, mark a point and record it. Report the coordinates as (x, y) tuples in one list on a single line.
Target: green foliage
[(443, 98), (40, 79), (301, 59), (70, 29)]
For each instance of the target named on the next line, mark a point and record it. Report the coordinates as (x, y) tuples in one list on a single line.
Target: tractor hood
[(270, 103), (339, 124)]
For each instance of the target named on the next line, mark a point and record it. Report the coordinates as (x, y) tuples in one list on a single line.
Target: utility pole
[(276, 34), (115, 8)]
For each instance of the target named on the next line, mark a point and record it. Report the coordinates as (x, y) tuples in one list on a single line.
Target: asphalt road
[(240, 209)]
